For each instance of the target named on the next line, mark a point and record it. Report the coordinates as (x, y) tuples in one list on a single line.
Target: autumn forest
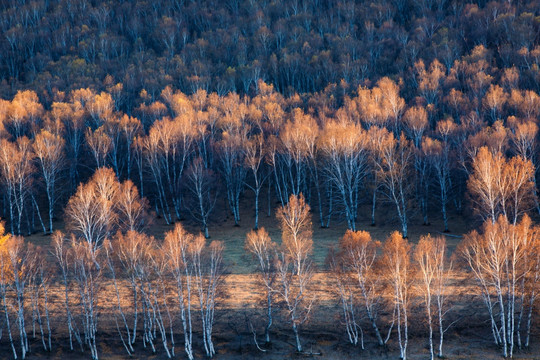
[(269, 179)]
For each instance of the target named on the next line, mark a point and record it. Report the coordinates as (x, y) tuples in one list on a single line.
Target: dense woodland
[(118, 115)]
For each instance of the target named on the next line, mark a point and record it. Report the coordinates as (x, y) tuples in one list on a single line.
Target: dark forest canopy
[(227, 46)]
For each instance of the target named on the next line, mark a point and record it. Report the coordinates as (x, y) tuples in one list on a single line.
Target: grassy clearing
[(238, 262)]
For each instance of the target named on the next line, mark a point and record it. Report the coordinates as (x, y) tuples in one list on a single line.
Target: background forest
[(124, 123)]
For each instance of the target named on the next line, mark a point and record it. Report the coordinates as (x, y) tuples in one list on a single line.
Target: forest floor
[(237, 261), (324, 335)]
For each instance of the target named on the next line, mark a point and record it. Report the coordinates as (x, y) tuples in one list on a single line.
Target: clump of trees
[(104, 205), (24, 294), (359, 287), (372, 278), (183, 268), (191, 154), (287, 270), (107, 244), (502, 260)]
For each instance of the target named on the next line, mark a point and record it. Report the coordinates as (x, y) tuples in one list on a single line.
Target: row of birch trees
[(199, 155), (146, 289), (368, 279), (106, 263), (153, 288), (378, 285)]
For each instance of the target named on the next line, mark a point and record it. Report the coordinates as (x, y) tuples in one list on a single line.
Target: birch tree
[(394, 170), (104, 205), (295, 267), (430, 255), (16, 165), (396, 262), (19, 264), (254, 155), (259, 244), (119, 313), (87, 275), (130, 127), (296, 139), (63, 260), (201, 185), (131, 209), (168, 149), (360, 287), (500, 186), (497, 258), (177, 251), (49, 151), (130, 251), (524, 134), (90, 211), (100, 145), (416, 122), (22, 262), (5, 280), (207, 266), (344, 148), (231, 155)]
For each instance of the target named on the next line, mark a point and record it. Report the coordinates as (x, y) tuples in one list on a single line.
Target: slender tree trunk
[(373, 206), (8, 324), (430, 322), (441, 329), (39, 214), (296, 336), (269, 316), (256, 208), (330, 205)]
